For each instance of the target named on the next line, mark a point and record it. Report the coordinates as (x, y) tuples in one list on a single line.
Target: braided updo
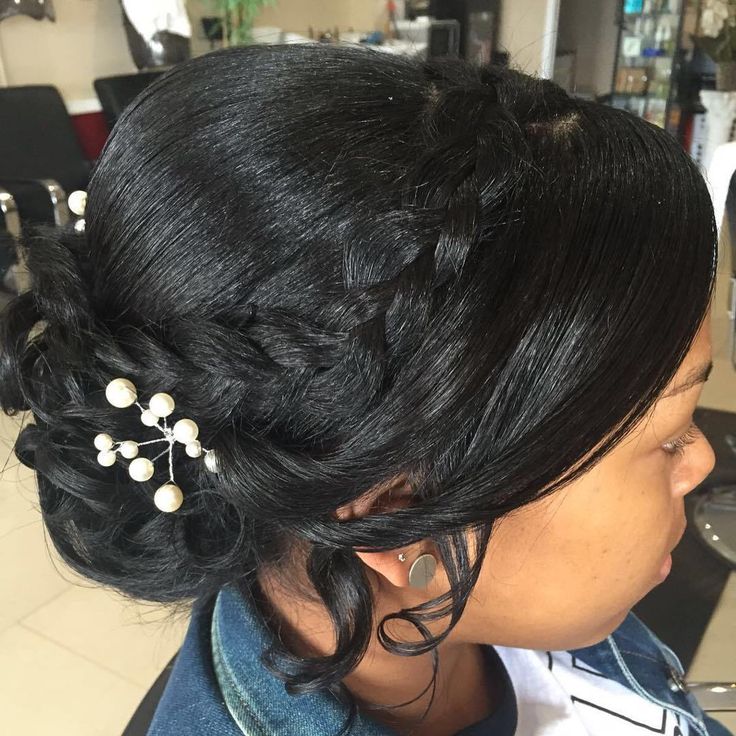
[(347, 266)]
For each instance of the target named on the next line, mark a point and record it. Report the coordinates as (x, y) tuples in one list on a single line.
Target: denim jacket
[(218, 687)]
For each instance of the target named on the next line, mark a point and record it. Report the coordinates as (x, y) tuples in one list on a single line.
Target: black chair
[(116, 93), (37, 200), (141, 720), (41, 159), (9, 218), (9, 231)]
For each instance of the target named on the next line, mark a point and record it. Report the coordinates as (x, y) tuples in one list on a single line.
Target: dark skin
[(560, 573)]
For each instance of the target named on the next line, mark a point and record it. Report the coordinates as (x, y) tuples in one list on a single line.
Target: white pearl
[(106, 458), (79, 226), (128, 449), (103, 442), (149, 418), (161, 405), (141, 469), (77, 201), (210, 461), (168, 498), (194, 449), (185, 431), (121, 393)]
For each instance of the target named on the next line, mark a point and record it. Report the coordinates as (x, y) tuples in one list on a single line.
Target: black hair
[(347, 266)]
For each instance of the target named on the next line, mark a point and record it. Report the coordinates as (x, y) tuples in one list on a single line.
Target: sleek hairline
[(699, 374)]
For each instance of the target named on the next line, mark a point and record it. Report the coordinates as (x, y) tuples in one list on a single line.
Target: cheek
[(568, 569), (588, 534)]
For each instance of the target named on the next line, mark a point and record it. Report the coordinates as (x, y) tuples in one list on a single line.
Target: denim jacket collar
[(258, 702), (257, 699), (634, 657)]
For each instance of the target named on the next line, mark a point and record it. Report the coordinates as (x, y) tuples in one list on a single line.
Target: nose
[(700, 465)]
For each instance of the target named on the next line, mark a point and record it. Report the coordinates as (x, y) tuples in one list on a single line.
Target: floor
[(89, 657)]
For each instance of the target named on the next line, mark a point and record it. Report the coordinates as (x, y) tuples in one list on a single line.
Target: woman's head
[(354, 270), (563, 572)]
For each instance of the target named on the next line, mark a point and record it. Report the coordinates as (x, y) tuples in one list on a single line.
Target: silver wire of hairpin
[(122, 393)]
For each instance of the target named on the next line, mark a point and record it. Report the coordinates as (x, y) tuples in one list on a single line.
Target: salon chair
[(141, 720), (116, 93), (9, 230), (37, 200), (41, 158), (9, 218), (14, 277)]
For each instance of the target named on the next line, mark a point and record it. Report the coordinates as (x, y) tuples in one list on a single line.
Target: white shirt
[(558, 695)]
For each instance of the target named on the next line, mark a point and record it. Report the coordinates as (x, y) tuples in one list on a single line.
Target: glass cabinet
[(654, 41)]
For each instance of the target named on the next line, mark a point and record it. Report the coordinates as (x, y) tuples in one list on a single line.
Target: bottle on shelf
[(659, 39), (649, 33), (630, 47)]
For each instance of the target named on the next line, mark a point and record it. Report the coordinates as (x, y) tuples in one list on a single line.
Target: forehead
[(674, 409), (700, 353)]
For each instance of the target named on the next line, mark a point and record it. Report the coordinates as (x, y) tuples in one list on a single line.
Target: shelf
[(633, 16), (652, 29), (636, 95), (640, 57)]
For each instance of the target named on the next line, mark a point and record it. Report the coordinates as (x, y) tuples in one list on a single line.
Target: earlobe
[(387, 565), (395, 567)]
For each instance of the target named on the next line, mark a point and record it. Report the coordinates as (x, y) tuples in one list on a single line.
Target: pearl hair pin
[(77, 203), (122, 393)]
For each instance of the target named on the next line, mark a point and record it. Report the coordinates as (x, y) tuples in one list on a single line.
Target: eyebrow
[(696, 376)]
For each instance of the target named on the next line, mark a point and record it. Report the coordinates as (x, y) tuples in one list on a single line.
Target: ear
[(380, 500)]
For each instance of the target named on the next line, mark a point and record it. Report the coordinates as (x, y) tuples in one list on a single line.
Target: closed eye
[(676, 448)]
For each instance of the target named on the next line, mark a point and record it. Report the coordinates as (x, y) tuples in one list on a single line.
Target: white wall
[(297, 15), (527, 34), (86, 41)]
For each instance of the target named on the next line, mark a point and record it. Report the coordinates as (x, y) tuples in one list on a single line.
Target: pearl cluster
[(122, 393)]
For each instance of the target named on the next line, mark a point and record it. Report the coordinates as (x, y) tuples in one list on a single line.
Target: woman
[(435, 334)]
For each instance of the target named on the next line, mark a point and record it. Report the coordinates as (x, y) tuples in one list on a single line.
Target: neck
[(465, 691)]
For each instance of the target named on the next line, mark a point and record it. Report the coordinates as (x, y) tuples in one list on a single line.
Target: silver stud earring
[(422, 571)]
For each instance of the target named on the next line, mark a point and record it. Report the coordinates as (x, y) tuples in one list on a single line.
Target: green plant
[(237, 19)]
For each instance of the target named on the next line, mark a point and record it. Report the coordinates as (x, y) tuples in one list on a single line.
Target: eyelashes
[(676, 448)]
